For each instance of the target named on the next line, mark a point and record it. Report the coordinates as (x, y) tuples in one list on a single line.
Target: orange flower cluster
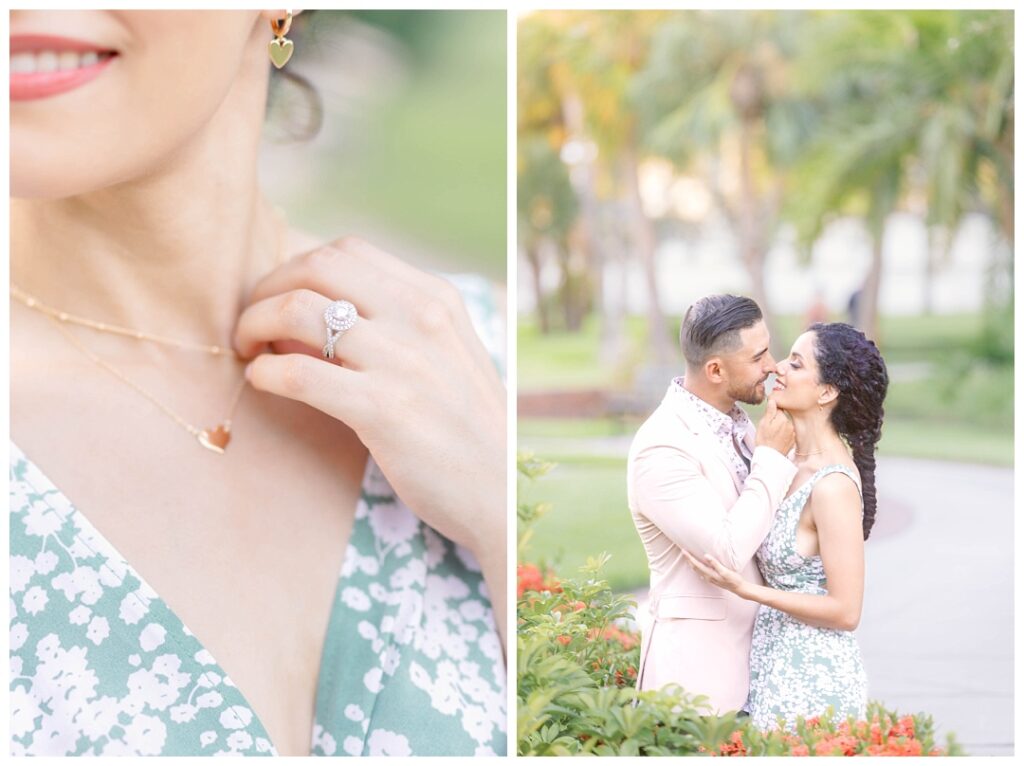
[(529, 577), (862, 738), (613, 633), (734, 746)]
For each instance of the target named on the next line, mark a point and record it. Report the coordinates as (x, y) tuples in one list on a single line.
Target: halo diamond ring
[(340, 316)]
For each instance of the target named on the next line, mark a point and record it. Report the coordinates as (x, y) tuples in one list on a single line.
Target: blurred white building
[(689, 268)]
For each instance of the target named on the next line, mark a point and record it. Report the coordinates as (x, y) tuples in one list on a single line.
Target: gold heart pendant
[(280, 51), (215, 440)]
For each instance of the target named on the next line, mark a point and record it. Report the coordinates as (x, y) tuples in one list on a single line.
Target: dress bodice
[(781, 565)]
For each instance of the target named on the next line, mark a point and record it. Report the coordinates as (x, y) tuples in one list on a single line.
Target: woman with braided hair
[(804, 657)]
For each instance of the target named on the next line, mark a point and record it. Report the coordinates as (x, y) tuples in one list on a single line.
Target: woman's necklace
[(215, 439), (808, 454), (34, 303)]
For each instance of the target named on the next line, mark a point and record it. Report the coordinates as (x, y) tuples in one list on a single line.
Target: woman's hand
[(717, 574), (411, 378)]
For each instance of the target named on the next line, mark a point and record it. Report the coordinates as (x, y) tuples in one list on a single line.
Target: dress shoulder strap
[(840, 468)]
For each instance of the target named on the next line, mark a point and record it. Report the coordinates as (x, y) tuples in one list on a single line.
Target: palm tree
[(927, 106), (714, 100)]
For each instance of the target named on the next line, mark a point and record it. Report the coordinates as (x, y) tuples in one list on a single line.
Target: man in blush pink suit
[(701, 478)]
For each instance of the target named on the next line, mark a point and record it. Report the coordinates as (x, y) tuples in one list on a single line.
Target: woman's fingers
[(338, 271), (329, 388), (699, 568), (717, 567), (378, 284), (299, 315)]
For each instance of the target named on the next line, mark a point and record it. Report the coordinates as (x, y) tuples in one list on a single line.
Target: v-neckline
[(181, 626)]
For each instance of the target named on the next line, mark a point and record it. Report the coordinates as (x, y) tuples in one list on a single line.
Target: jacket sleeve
[(672, 492)]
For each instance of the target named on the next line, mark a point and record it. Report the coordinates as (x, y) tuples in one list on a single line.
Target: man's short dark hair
[(712, 326)]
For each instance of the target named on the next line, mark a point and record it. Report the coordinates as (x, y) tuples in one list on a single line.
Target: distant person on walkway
[(701, 479), (804, 657), (853, 306)]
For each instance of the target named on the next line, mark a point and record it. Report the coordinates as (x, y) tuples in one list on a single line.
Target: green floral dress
[(797, 669), (100, 665)]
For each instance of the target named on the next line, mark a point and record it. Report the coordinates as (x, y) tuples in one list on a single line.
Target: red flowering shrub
[(882, 733), (529, 577)]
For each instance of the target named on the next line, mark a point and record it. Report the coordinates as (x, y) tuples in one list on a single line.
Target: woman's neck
[(173, 251), (816, 439)]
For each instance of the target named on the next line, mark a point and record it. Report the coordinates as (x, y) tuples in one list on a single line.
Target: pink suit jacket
[(684, 493)]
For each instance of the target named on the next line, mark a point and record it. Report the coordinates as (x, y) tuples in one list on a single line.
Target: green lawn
[(588, 515)]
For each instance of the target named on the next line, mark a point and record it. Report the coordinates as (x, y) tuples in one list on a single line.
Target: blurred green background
[(411, 153)]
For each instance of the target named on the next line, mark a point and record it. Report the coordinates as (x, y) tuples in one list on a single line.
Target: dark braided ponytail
[(852, 363)]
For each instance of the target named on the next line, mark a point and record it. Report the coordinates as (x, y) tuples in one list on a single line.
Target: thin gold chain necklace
[(215, 439), (34, 303)]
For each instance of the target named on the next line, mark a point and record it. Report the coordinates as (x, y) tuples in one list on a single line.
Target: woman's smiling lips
[(46, 65)]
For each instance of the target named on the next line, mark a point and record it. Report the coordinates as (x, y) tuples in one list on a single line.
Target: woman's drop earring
[(281, 48)]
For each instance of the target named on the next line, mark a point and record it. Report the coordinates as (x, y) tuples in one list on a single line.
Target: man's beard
[(748, 395)]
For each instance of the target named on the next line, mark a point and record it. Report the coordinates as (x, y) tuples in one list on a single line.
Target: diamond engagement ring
[(339, 316)]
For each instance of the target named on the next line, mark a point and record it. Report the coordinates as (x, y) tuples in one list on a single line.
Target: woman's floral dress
[(99, 665), (797, 669)]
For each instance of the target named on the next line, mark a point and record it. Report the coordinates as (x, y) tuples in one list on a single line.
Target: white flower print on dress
[(22, 569), (35, 600), (210, 699), (24, 711), (98, 717), (183, 713), (355, 599), (19, 633), (235, 717), (384, 742), (45, 562), (133, 607), (98, 630), (152, 636), (40, 520), (145, 735), (239, 740), (80, 615)]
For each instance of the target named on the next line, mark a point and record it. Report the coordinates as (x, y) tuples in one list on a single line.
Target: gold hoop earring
[(280, 47)]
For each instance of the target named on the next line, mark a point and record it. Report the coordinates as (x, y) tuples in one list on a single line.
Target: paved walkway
[(936, 631)]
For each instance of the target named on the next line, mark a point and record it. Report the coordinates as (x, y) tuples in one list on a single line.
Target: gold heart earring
[(281, 48)]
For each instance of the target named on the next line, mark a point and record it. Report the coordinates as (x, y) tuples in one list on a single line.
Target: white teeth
[(67, 60), (46, 62), (23, 63), (30, 62)]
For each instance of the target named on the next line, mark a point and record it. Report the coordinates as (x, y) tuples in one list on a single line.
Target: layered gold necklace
[(215, 439)]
